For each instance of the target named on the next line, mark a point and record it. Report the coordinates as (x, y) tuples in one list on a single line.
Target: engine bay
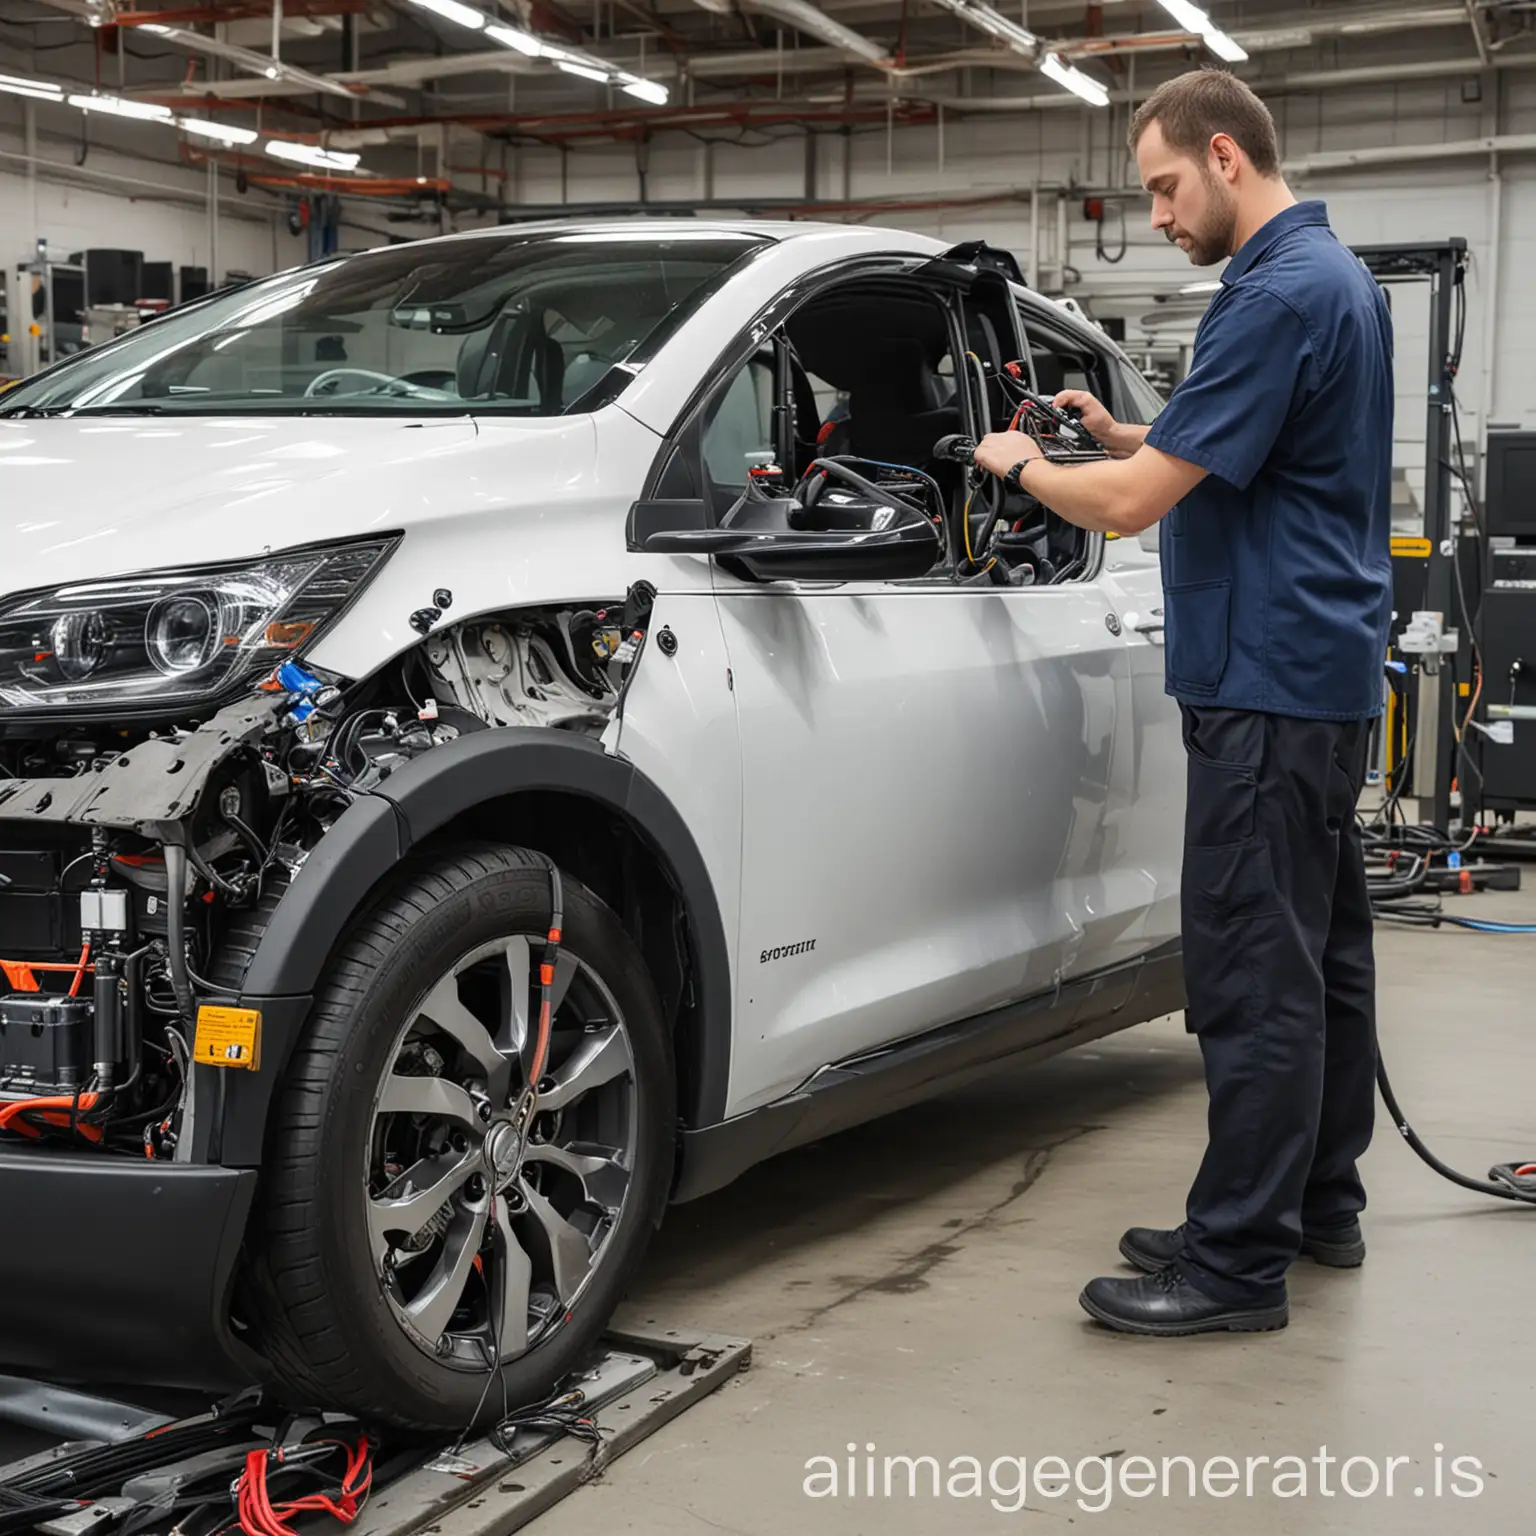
[(140, 863)]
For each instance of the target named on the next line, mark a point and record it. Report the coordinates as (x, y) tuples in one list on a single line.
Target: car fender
[(380, 828)]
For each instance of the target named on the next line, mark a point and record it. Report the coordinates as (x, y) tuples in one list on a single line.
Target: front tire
[(407, 1245)]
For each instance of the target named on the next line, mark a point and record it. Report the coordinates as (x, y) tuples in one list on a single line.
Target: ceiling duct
[(246, 59), (807, 18)]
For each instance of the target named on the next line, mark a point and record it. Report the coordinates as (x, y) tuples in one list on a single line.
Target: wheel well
[(601, 848)]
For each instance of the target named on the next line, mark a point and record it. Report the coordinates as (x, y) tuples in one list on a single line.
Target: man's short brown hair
[(1193, 108)]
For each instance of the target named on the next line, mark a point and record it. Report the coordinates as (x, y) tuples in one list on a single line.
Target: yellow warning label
[(1411, 548), (228, 1037)]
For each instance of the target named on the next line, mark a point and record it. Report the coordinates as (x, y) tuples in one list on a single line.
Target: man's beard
[(1212, 242)]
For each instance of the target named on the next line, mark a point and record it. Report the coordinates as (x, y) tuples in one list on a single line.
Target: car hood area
[(87, 498)]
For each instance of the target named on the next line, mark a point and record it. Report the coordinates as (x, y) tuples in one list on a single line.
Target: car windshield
[(530, 325)]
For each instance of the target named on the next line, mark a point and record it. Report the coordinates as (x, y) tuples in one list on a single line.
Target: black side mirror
[(780, 538)]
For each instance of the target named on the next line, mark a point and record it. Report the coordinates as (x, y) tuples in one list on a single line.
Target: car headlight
[(170, 638)]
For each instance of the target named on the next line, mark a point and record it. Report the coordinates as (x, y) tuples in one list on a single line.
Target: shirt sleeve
[(1253, 365)]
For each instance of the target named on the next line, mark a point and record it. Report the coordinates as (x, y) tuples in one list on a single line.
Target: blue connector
[(1453, 859), (301, 687), (295, 679)]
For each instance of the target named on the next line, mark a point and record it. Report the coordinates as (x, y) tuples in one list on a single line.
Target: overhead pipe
[(271, 69), (1411, 154), (810, 19)]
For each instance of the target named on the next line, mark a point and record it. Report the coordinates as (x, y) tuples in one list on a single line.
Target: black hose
[(176, 929), (1479, 1186)]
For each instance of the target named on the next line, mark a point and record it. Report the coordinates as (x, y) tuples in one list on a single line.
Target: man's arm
[(1121, 496)]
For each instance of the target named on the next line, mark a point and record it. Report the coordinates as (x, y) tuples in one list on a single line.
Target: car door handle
[(1153, 625)]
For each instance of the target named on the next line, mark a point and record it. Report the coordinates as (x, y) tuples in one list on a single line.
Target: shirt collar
[(1263, 240)]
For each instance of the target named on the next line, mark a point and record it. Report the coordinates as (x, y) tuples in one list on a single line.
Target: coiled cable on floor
[(1506, 1171)]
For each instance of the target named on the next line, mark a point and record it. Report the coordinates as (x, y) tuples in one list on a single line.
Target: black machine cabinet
[(1507, 635), (1507, 624)]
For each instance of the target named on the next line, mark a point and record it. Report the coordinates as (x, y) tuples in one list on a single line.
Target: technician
[(1272, 463)]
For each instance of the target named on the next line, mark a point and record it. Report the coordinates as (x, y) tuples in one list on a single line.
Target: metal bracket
[(646, 1381)]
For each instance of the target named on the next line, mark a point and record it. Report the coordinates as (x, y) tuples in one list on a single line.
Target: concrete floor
[(913, 1284)]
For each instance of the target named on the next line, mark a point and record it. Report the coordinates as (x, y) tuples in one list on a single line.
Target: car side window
[(739, 429), (1139, 402)]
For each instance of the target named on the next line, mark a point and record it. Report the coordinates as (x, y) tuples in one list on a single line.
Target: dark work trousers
[(1281, 982)]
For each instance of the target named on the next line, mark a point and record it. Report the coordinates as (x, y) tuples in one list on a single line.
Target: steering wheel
[(333, 376), (809, 491)]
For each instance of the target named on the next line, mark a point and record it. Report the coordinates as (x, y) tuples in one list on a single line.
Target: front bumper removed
[(119, 1271)]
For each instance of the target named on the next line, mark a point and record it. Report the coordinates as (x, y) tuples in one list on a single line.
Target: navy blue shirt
[(1277, 568)]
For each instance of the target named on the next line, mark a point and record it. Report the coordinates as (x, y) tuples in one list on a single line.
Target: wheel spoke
[(599, 1058), (516, 1283), (519, 990), (565, 972), (569, 1250), (522, 992), (432, 1309), (413, 1199), (602, 1176), (444, 1009), (427, 1096)]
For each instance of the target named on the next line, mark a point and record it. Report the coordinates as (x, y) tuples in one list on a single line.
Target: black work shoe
[(1150, 1248), (1165, 1304), (1337, 1248)]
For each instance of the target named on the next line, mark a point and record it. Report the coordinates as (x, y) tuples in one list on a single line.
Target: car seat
[(897, 410), (493, 363)]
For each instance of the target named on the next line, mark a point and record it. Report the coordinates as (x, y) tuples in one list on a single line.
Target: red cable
[(55, 1110), (85, 954), (260, 1517)]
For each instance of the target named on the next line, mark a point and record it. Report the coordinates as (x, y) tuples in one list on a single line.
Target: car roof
[(777, 230)]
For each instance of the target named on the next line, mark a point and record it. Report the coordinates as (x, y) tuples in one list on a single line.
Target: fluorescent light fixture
[(1188, 15), (584, 70), (221, 133), (647, 90), (116, 106), (511, 37), (1024, 42), (156, 28), (995, 23), (451, 10), (1210, 285), (1073, 79), (1225, 47), (1193, 19), (311, 154), (38, 90)]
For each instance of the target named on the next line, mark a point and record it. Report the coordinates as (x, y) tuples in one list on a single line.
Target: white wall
[(125, 201)]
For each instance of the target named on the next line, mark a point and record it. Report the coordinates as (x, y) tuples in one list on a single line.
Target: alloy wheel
[(484, 1240)]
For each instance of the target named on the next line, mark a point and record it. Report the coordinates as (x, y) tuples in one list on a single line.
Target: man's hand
[(1117, 438), (1000, 451), (1095, 413)]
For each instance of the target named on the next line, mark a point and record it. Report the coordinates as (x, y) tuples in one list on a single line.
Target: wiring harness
[(340, 1497)]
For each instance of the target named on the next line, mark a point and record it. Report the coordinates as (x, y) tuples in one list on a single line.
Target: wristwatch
[(1011, 479)]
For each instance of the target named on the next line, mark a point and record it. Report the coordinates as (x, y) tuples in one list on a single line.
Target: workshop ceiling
[(378, 79)]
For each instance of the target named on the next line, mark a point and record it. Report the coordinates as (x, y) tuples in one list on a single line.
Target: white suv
[(500, 733)]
